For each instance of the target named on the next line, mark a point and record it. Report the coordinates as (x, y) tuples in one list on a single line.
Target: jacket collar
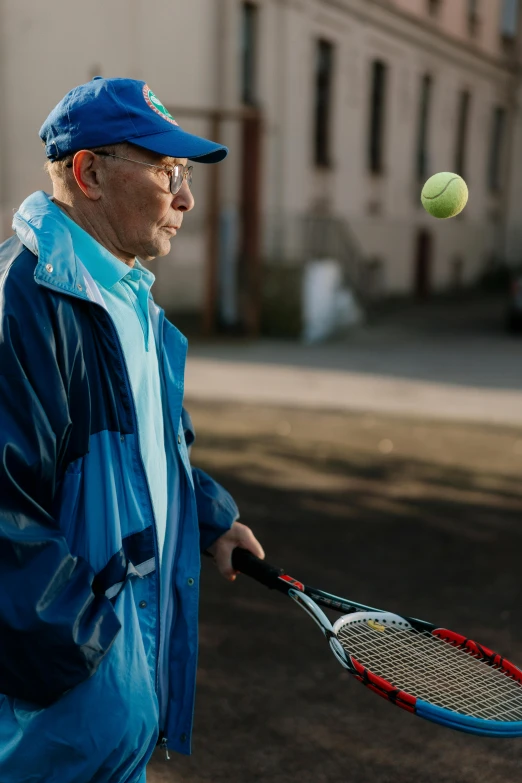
[(40, 227)]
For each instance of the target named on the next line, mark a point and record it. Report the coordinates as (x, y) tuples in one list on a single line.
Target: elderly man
[(102, 517)]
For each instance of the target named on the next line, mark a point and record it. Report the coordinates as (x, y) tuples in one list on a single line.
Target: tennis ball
[(444, 195)]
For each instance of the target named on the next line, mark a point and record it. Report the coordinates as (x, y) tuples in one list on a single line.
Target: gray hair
[(58, 169)]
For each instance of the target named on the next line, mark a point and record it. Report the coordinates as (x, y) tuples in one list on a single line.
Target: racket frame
[(310, 599)]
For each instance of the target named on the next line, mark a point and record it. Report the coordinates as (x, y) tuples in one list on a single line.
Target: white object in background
[(321, 281), (347, 310), (327, 306)]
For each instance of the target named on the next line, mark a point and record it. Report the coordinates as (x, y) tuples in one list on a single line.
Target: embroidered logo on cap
[(157, 106)]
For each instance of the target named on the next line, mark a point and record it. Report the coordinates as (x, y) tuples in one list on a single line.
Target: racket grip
[(257, 569)]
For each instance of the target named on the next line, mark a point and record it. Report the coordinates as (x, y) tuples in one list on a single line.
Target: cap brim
[(177, 143)]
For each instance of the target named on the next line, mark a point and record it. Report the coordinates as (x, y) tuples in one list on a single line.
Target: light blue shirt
[(125, 291)]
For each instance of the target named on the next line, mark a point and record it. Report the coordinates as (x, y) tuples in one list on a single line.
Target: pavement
[(448, 359)]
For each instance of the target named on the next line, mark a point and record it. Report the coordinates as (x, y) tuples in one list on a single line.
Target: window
[(249, 54), (473, 18), (496, 152), (462, 133), (323, 102), (434, 7), (509, 18), (377, 117), (424, 119)]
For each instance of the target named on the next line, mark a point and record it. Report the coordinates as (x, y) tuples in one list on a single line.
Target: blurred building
[(360, 101), (364, 100)]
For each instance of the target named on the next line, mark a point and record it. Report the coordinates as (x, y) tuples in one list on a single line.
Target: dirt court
[(424, 518)]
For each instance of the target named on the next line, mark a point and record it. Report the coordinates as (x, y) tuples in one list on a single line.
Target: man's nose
[(183, 201)]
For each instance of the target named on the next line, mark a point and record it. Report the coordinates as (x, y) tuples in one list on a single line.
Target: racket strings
[(433, 670), (451, 678), (452, 683)]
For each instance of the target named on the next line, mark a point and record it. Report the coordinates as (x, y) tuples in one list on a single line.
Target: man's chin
[(161, 249)]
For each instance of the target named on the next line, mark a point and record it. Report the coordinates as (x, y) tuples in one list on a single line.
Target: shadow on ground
[(417, 517)]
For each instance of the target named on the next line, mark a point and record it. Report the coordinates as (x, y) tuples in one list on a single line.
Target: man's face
[(137, 202)]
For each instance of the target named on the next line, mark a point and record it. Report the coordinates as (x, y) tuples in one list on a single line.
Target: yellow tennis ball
[(444, 195)]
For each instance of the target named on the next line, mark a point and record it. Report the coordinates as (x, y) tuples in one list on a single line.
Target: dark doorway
[(422, 280)]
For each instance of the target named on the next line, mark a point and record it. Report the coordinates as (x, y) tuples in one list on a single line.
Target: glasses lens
[(176, 181), (178, 175)]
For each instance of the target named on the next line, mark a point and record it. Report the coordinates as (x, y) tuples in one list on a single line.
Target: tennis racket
[(429, 671)]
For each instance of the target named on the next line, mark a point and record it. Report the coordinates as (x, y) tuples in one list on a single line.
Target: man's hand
[(238, 535)]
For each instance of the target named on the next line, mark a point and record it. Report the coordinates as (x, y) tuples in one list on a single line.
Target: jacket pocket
[(103, 729)]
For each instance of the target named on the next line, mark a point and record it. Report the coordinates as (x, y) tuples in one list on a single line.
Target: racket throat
[(311, 609), (319, 617)]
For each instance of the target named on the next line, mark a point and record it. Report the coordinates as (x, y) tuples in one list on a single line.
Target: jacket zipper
[(163, 746), (163, 691), (166, 641), (163, 743)]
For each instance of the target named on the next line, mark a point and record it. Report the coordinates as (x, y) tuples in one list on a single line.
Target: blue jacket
[(81, 635)]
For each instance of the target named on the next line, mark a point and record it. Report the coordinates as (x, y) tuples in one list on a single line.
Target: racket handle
[(257, 569)]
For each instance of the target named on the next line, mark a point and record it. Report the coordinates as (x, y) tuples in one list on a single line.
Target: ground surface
[(446, 358), (412, 514)]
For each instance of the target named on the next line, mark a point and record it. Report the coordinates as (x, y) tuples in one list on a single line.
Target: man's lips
[(172, 229)]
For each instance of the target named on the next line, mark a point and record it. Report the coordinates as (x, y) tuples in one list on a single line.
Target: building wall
[(384, 210), (452, 19), (189, 53)]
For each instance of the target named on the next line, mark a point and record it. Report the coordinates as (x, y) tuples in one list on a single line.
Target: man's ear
[(86, 173)]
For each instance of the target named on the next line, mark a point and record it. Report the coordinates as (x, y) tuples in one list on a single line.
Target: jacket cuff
[(217, 510)]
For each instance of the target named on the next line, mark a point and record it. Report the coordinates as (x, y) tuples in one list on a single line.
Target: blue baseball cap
[(110, 111)]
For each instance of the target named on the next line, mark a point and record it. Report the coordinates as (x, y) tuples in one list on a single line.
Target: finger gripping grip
[(250, 565)]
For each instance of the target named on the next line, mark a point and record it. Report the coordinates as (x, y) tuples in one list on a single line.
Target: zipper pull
[(163, 746)]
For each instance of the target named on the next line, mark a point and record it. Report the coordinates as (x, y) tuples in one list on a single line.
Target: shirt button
[(183, 738), (49, 267), (79, 287), (143, 604), (122, 438), (179, 438), (190, 581)]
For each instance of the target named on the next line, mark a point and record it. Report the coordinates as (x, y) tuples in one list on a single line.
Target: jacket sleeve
[(216, 508), (54, 631)]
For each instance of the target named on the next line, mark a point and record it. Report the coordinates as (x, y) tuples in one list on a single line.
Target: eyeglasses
[(177, 173)]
